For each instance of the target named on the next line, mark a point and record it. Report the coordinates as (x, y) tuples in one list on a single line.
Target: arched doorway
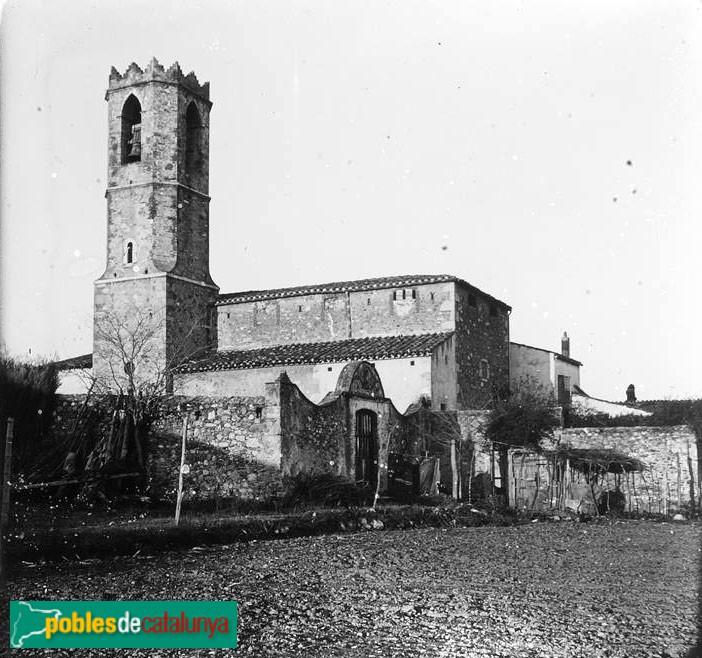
[(366, 446)]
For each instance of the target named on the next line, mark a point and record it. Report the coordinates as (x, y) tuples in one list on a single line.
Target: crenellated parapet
[(155, 72)]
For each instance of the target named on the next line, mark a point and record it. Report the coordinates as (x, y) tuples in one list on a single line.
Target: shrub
[(524, 419), (326, 490), (28, 391)]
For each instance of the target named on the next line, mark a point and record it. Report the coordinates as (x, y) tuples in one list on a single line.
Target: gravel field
[(622, 589)]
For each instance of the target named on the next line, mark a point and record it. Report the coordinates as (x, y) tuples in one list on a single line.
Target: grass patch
[(131, 536)]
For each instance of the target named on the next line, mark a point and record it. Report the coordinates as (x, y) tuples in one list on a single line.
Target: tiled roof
[(75, 362), (558, 355), (348, 286), (353, 349)]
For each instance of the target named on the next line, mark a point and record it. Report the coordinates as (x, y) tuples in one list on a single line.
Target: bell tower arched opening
[(193, 140), (131, 130)]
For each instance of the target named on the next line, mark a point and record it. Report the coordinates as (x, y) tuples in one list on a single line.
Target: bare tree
[(133, 370)]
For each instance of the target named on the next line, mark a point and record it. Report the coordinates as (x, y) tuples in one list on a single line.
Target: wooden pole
[(5, 508), (692, 480), (5, 494), (665, 486), (471, 466), (454, 470), (181, 470)]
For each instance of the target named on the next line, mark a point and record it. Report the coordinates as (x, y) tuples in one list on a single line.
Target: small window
[(442, 406), (414, 294), (411, 363), (368, 302), (394, 295), (404, 294), (329, 369), (299, 309), (484, 369), (129, 253), (472, 301), (493, 311), (431, 294), (259, 412), (228, 315)]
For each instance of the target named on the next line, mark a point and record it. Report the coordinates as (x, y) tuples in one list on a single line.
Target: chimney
[(565, 345), (630, 394)]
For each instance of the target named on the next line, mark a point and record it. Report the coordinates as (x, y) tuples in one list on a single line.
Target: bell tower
[(154, 302)]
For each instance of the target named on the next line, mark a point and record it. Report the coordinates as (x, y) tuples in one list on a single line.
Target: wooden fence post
[(179, 499), (454, 471), (5, 493)]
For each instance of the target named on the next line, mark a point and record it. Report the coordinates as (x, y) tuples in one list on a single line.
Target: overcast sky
[(548, 152)]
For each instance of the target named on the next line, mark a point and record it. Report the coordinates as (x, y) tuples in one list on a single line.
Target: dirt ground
[(556, 589)]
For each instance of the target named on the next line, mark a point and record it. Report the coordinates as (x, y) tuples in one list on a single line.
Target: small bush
[(28, 391), (326, 490)]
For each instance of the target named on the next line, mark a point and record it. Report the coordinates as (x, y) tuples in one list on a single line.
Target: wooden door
[(366, 446)]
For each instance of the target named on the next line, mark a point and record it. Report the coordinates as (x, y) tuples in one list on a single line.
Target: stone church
[(432, 336), (381, 348), (354, 378)]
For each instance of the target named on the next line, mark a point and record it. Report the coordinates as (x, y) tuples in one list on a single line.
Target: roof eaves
[(82, 362), (332, 352), (358, 285)]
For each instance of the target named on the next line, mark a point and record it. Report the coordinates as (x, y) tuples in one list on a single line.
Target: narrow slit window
[(130, 253), (414, 294)]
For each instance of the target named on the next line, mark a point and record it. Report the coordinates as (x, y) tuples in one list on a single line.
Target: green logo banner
[(123, 624)]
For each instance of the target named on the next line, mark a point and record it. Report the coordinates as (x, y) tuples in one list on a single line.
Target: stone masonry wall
[(670, 455), (336, 316), (482, 334), (231, 447), (669, 481), (312, 437), (321, 438)]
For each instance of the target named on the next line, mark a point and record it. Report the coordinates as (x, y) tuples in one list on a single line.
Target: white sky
[(352, 139)]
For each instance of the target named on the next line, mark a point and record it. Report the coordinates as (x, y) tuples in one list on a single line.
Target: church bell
[(135, 142)]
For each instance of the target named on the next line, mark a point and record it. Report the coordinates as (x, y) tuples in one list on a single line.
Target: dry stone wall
[(670, 480), (231, 449)]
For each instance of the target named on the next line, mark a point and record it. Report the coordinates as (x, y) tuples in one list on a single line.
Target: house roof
[(586, 404), (83, 361), (558, 355), (349, 286), (353, 349)]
